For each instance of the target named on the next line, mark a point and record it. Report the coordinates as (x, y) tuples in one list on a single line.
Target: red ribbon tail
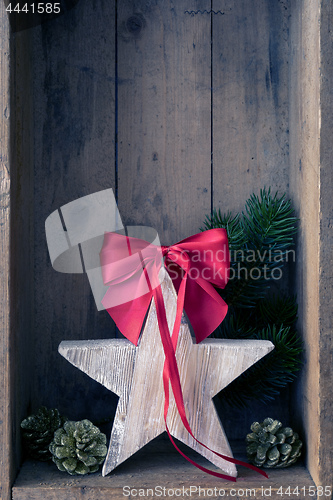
[(171, 373)]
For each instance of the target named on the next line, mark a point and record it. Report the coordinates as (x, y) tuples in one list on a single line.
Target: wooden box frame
[(311, 186)]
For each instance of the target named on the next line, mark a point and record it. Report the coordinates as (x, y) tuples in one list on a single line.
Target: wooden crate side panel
[(164, 103), (74, 100), (6, 453), (250, 100), (326, 252), (304, 187)]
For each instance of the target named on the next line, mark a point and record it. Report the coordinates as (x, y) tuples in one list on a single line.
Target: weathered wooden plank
[(164, 115), (304, 186), (311, 185), (74, 92), (6, 387), (156, 465), (325, 475), (250, 99), (250, 48)]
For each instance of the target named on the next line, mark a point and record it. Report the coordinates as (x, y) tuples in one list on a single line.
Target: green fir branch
[(278, 310), (259, 241), (233, 226)]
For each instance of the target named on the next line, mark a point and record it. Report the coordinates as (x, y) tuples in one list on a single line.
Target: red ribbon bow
[(130, 267), (196, 263)]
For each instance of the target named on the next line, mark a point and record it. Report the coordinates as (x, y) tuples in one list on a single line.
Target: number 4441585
[(35, 8), (306, 491)]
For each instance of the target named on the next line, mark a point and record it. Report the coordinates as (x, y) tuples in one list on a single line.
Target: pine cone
[(78, 447), (271, 445), (38, 431)]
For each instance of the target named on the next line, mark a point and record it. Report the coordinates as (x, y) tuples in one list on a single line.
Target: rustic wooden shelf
[(155, 467)]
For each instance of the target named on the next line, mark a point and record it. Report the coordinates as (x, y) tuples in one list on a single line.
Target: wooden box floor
[(159, 471)]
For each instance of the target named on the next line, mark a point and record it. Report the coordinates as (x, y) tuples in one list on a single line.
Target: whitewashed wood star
[(135, 375)]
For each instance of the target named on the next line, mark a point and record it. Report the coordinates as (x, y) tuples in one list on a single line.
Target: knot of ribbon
[(131, 268)]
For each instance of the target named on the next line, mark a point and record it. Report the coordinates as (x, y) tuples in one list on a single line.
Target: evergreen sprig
[(269, 221), (276, 309), (259, 241), (233, 225)]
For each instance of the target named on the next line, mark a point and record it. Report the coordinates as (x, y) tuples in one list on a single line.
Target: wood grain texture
[(135, 375), (305, 126), (250, 100), (74, 88), (325, 475), (6, 386), (164, 103), (311, 185), (250, 124), (158, 464)]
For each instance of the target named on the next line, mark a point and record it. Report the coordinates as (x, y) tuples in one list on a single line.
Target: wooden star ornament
[(135, 375)]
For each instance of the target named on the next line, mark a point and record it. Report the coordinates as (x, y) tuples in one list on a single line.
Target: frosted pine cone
[(271, 445), (38, 431), (78, 447)]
